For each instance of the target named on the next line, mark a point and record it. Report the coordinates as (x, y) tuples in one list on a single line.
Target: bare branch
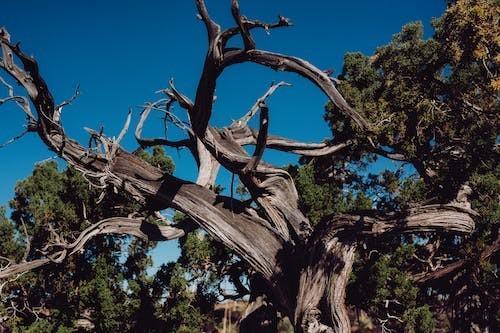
[(252, 24), (148, 142), (246, 118), (212, 28), (261, 139), (183, 100), (247, 136), (116, 143), (305, 69), (244, 32), (14, 139), (58, 109), (115, 225), (21, 101), (430, 218)]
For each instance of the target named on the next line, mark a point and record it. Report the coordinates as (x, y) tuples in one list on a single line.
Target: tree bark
[(304, 272)]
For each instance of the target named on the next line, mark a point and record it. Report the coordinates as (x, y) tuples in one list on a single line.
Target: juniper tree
[(427, 103)]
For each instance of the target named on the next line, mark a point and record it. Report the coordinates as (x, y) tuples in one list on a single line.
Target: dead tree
[(299, 271)]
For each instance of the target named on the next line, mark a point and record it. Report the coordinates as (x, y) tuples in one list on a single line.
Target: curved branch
[(228, 220), (244, 135), (149, 142), (115, 225), (183, 100), (430, 218), (299, 66), (253, 110)]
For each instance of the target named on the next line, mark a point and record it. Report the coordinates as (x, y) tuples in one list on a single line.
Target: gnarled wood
[(305, 272), (430, 218), (116, 225)]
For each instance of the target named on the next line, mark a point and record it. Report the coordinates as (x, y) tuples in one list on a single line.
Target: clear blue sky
[(121, 52)]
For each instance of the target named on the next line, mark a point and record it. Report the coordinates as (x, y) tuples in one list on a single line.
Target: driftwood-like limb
[(208, 166), (24, 104), (182, 99), (253, 110), (271, 187), (320, 302), (253, 24), (115, 225), (430, 218), (15, 138), (244, 135), (116, 142), (226, 219), (59, 108), (149, 142), (261, 141), (248, 42), (21, 101), (301, 67)]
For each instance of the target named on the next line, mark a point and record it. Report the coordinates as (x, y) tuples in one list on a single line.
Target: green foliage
[(485, 198), (159, 159), (181, 314), (431, 100), (419, 320), (412, 191), (383, 287), (318, 200), (10, 247), (435, 102), (104, 295), (94, 284)]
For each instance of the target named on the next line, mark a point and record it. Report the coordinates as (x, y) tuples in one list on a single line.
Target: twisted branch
[(116, 225)]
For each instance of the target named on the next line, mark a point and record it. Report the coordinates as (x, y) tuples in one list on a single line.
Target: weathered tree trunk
[(320, 302), (304, 273)]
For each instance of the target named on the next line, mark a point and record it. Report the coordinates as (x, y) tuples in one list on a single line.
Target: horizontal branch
[(453, 268), (253, 24), (248, 136), (431, 218), (116, 225)]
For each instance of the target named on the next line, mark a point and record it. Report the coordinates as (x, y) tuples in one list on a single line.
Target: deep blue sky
[(121, 52)]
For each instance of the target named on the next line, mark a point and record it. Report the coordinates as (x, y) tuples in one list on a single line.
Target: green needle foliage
[(435, 102)]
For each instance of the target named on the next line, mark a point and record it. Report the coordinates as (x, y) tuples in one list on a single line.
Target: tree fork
[(304, 272)]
